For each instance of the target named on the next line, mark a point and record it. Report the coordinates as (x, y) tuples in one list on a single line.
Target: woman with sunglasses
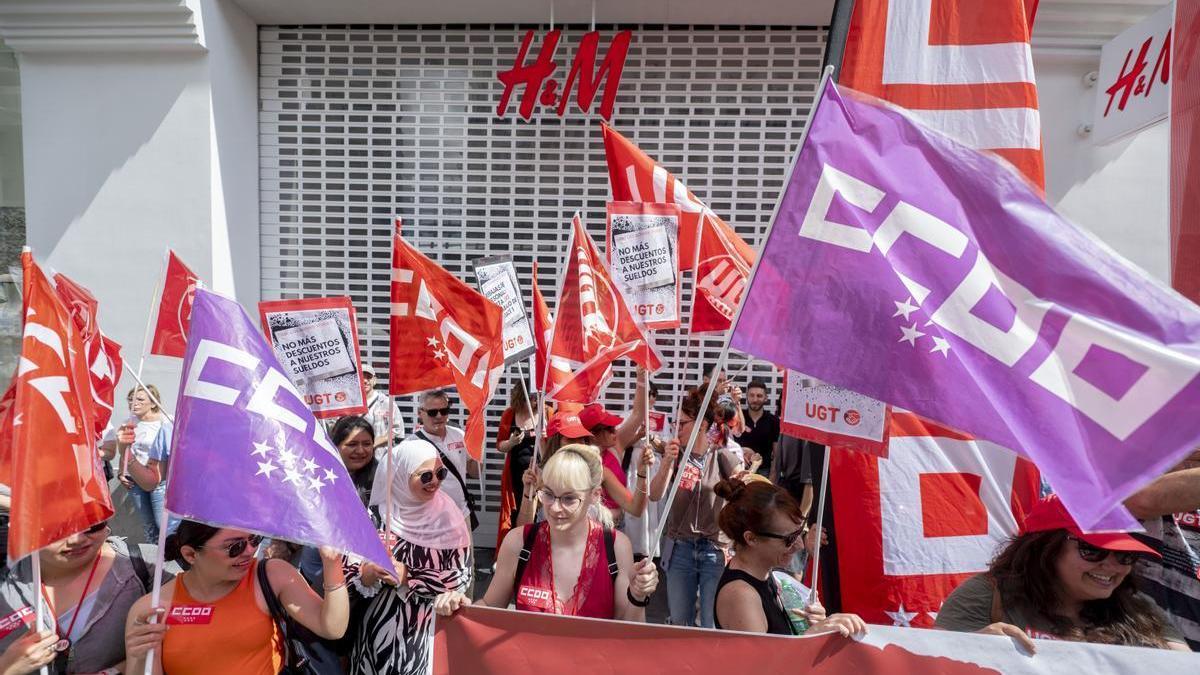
[(432, 545), (1054, 581), (89, 583), (143, 444), (767, 528), (216, 617)]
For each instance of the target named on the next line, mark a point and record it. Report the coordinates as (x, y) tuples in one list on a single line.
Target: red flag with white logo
[(103, 354), (634, 177), (58, 485), (593, 327), (963, 67), (914, 525), (543, 332), (722, 269), (175, 309), (444, 333)]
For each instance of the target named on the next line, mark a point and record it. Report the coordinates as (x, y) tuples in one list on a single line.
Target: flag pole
[(712, 381), (39, 602), (545, 374), (150, 319), (391, 469), (812, 596)]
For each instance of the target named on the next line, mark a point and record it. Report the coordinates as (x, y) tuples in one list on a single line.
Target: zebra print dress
[(395, 636)]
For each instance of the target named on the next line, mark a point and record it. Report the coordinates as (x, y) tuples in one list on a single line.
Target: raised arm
[(631, 429), (1175, 492), (328, 616)]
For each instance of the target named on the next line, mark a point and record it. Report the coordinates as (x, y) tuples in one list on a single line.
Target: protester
[(382, 411), (790, 469), (1054, 581), (725, 388), (451, 446), (354, 437), (515, 438), (432, 548), (639, 529), (1170, 511), (143, 445), (698, 551), (89, 583), (563, 429), (570, 563), (611, 435), (239, 635), (760, 433), (767, 528)]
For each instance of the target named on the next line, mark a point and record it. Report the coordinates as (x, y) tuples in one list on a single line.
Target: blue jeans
[(695, 567), (149, 507)]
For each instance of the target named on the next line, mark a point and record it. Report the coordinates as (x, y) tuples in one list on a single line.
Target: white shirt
[(144, 433), (377, 415), (454, 447), (634, 527)]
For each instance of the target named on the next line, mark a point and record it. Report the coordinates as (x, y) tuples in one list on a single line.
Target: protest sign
[(497, 281), (316, 340), (830, 415), (643, 254)]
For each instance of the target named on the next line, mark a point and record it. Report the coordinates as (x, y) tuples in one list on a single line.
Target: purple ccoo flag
[(248, 453), (920, 272)]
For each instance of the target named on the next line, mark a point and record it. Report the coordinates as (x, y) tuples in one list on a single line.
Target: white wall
[(1117, 191)]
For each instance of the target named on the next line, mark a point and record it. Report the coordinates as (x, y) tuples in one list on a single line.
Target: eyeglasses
[(97, 528), (438, 412), (238, 547), (568, 501), (1095, 554), (789, 540), (426, 477)]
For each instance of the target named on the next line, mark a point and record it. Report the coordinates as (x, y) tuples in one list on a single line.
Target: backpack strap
[(139, 566), (524, 555), (610, 550)]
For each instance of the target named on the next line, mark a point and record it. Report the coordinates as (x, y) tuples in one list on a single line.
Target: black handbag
[(297, 659)]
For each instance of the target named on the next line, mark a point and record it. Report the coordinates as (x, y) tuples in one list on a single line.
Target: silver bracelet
[(330, 589)]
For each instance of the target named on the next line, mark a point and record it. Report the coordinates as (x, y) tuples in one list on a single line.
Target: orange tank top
[(231, 635)]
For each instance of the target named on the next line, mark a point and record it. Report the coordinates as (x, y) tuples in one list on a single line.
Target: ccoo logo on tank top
[(190, 615)]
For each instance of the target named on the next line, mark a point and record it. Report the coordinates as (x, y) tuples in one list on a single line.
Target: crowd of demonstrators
[(450, 444), (142, 446), (572, 562), (699, 549), (1055, 581), (382, 412)]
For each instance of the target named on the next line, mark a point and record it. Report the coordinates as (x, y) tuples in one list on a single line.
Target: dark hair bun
[(172, 551), (730, 489)]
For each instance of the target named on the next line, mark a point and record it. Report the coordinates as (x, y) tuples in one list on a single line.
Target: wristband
[(635, 602), (330, 589)]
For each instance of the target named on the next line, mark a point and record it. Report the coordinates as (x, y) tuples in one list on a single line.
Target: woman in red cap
[(1054, 581)]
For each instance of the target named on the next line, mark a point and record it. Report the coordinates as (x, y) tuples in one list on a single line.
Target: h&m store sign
[(542, 89)]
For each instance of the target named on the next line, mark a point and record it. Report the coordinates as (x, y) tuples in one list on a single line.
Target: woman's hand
[(671, 451), (810, 539), (331, 556), (846, 625), (142, 636), (29, 653), (813, 613), (449, 603), (125, 435), (1021, 637), (529, 481), (645, 579), (647, 459), (370, 574)]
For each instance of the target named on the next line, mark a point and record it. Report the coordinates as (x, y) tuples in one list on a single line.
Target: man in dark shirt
[(761, 427)]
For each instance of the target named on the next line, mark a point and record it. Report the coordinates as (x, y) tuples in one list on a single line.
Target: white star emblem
[(265, 468), (287, 456), (17, 419), (310, 465), (910, 335), (940, 345), (440, 355), (315, 484), (330, 476), (901, 617), (293, 476), (904, 308), (431, 341), (261, 449), (933, 615)]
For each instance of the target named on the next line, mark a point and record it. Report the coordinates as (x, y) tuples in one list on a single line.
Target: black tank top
[(778, 622)]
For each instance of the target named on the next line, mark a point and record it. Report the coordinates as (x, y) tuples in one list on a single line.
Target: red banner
[(482, 641), (175, 309)]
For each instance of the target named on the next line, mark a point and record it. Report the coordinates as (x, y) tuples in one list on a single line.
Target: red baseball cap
[(566, 423), (1050, 514), (594, 415)]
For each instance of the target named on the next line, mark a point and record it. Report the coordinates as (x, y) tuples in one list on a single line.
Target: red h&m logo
[(1132, 81), (542, 89)]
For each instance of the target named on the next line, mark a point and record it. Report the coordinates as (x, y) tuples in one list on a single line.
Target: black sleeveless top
[(778, 622)]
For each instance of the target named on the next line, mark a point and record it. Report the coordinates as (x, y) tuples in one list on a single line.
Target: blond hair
[(579, 466)]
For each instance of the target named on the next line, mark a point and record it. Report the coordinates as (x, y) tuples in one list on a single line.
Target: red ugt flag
[(444, 333), (722, 269), (593, 327), (103, 354), (916, 524), (963, 67), (175, 309), (634, 177), (58, 485)]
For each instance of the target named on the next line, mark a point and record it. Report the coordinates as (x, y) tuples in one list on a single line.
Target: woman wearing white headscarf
[(395, 635)]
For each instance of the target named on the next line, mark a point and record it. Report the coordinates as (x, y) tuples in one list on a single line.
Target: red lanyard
[(78, 607)]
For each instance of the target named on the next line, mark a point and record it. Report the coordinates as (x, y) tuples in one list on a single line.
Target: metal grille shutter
[(360, 124)]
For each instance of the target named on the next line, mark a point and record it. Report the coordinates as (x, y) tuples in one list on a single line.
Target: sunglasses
[(426, 477), (1095, 554), (438, 412), (788, 540), (238, 547), (97, 528)]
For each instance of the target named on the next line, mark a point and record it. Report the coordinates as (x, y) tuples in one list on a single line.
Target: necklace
[(64, 640)]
